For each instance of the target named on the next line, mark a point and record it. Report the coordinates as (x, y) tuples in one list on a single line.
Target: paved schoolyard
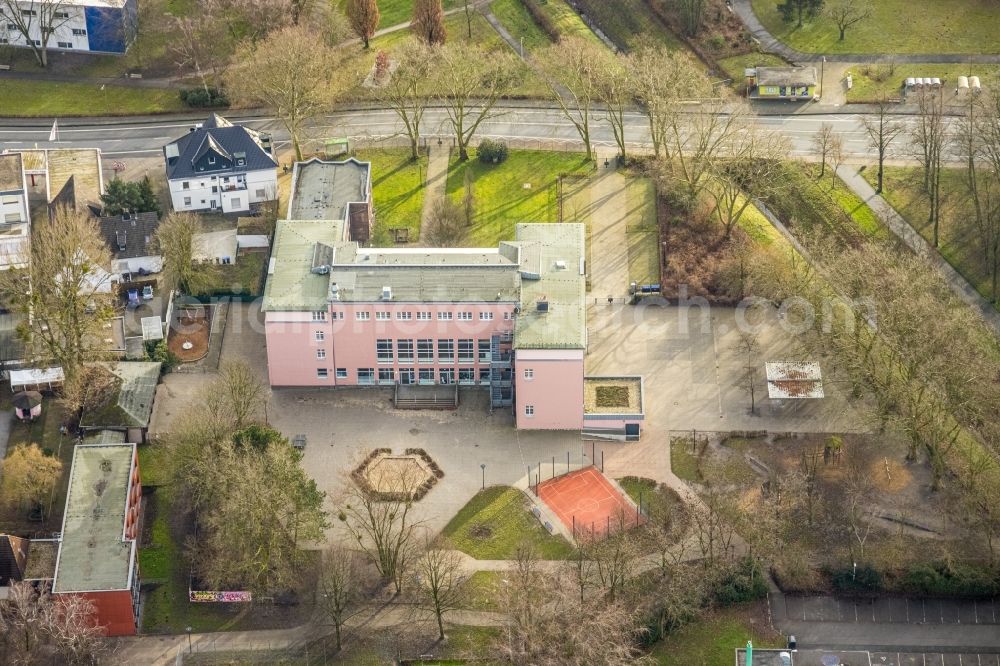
[(694, 374), (897, 610)]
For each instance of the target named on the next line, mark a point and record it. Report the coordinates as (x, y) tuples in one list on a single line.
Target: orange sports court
[(588, 503)]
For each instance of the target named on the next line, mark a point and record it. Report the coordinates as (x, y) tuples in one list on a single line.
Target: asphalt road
[(122, 137)]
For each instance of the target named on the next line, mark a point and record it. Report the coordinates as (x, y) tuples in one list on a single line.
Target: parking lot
[(893, 610), (931, 659)]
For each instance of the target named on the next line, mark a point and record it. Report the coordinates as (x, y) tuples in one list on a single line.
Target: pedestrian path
[(435, 184), (912, 239)]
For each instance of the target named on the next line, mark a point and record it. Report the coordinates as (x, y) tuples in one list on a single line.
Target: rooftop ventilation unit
[(560, 264), (322, 257), (120, 236), (386, 293), (542, 306), (334, 294)]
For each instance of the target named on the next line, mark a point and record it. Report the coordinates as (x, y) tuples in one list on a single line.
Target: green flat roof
[(132, 404), (291, 284), (93, 554), (556, 252)]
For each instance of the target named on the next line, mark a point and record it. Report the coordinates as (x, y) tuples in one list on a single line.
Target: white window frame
[(341, 373), (423, 316), (322, 373), (362, 316), (404, 315), (444, 316), (485, 316), (529, 374), (465, 316), (529, 411), (319, 315), (320, 354), (382, 315), (319, 336)]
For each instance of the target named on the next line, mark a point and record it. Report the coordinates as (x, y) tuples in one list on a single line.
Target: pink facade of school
[(548, 386), (301, 345)]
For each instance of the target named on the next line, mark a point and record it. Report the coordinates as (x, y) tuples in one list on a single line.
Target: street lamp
[(482, 466), (188, 630), (822, 80)]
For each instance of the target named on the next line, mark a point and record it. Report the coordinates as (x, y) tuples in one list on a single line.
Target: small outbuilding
[(36, 379), (27, 405), (793, 83)]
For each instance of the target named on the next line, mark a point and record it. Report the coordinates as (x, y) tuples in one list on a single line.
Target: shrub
[(716, 42), (200, 98), (952, 580), (542, 19), (741, 582), (865, 579), (492, 152), (158, 352)]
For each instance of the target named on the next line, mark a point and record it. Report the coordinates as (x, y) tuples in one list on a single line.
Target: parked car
[(147, 292)]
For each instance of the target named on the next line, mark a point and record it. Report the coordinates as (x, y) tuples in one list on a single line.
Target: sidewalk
[(436, 183), (909, 236)]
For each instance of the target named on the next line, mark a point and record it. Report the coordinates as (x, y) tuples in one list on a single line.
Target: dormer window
[(211, 159)]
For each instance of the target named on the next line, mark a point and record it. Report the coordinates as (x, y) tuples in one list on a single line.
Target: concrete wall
[(551, 382), (252, 187), (350, 343)]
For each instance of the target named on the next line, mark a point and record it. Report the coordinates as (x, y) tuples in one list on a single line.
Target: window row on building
[(371, 376), (428, 350)]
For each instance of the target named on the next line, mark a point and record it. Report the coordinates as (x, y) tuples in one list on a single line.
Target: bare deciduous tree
[(929, 138), (428, 22), (381, 523), (747, 167), (616, 90), (36, 21), (845, 13), (979, 145), (196, 45), (238, 395), (364, 17), (339, 585), (836, 157), (882, 130), (37, 627), (446, 226), (572, 69), (691, 12), (65, 293), (469, 82), (405, 92), (822, 141), (174, 241), (663, 80), (292, 71), (439, 578)]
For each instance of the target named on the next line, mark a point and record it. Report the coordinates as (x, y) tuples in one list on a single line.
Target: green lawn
[(518, 21), (501, 196), (959, 241), (394, 12), (866, 86), (711, 641), (58, 99), (684, 463), (566, 20), (482, 590), (496, 521), (628, 23), (642, 235), (397, 192), (896, 26), (655, 498), (808, 204)]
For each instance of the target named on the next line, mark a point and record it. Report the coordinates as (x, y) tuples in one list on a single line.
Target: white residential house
[(221, 167), (15, 220), (96, 26)]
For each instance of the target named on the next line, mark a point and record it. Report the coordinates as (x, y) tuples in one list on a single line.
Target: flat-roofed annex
[(322, 190), (94, 556)]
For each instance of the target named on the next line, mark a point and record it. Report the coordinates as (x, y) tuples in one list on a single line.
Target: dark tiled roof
[(11, 177), (136, 232), (231, 139)]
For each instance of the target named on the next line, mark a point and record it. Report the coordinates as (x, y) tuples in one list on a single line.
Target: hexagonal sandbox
[(391, 477)]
